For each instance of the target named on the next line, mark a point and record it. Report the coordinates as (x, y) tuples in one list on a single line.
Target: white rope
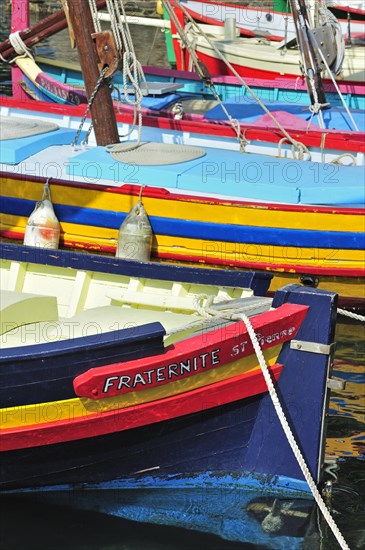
[(206, 310), (338, 159), (231, 68), (94, 13), (290, 437), (202, 304), (302, 149), (46, 191), (19, 46), (309, 71), (351, 315), (330, 20), (336, 86), (133, 73)]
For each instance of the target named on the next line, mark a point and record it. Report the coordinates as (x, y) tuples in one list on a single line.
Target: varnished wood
[(102, 110)]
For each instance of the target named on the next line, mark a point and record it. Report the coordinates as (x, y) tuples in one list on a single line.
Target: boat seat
[(18, 309)]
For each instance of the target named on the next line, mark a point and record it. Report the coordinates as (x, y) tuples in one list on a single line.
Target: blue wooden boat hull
[(201, 470)]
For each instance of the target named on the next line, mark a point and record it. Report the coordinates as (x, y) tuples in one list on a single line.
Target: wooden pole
[(313, 72), (102, 110)]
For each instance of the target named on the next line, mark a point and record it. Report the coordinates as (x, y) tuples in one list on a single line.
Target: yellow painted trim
[(196, 210), (256, 253), (70, 409), (218, 251), (29, 68)]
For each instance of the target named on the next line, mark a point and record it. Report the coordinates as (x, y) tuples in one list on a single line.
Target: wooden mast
[(313, 72), (102, 110)]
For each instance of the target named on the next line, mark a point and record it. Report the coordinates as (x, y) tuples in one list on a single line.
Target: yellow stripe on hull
[(203, 250), (70, 409), (224, 212)]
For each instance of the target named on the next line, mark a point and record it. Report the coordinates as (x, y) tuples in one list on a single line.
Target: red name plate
[(195, 355)]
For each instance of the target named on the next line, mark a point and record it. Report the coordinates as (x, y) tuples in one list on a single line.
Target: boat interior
[(49, 304)]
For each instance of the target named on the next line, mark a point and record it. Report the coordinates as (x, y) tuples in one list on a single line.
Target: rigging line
[(194, 58), (94, 14), (309, 71), (290, 436), (327, 17), (233, 70), (132, 70), (336, 86)]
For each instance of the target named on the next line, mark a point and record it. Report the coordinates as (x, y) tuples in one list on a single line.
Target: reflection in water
[(346, 428)]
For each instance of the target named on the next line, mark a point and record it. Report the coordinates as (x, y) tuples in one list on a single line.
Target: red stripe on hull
[(202, 353), (221, 393), (345, 141), (292, 269), (272, 267)]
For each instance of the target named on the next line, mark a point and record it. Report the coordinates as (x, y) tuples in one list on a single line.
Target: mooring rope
[(351, 314), (290, 437), (207, 311)]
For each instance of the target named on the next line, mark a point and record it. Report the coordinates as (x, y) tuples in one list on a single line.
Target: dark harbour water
[(28, 525)]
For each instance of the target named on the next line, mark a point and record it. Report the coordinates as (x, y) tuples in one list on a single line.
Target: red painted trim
[(215, 395), (345, 141), (292, 269), (217, 66), (273, 267), (206, 351), (346, 9)]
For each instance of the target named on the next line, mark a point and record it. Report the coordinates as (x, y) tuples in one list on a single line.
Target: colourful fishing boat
[(135, 387), (225, 208), (183, 96), (223, 52), (257, 109), (275, 24)]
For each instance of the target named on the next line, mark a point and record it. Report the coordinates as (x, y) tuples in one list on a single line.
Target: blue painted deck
[(229, 173), (14, 151)]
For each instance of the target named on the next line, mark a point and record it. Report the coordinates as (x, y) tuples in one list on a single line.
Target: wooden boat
[(118, 392), (174, 94), (293, 217), (252, 57), (273, 24), (229, 88)]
